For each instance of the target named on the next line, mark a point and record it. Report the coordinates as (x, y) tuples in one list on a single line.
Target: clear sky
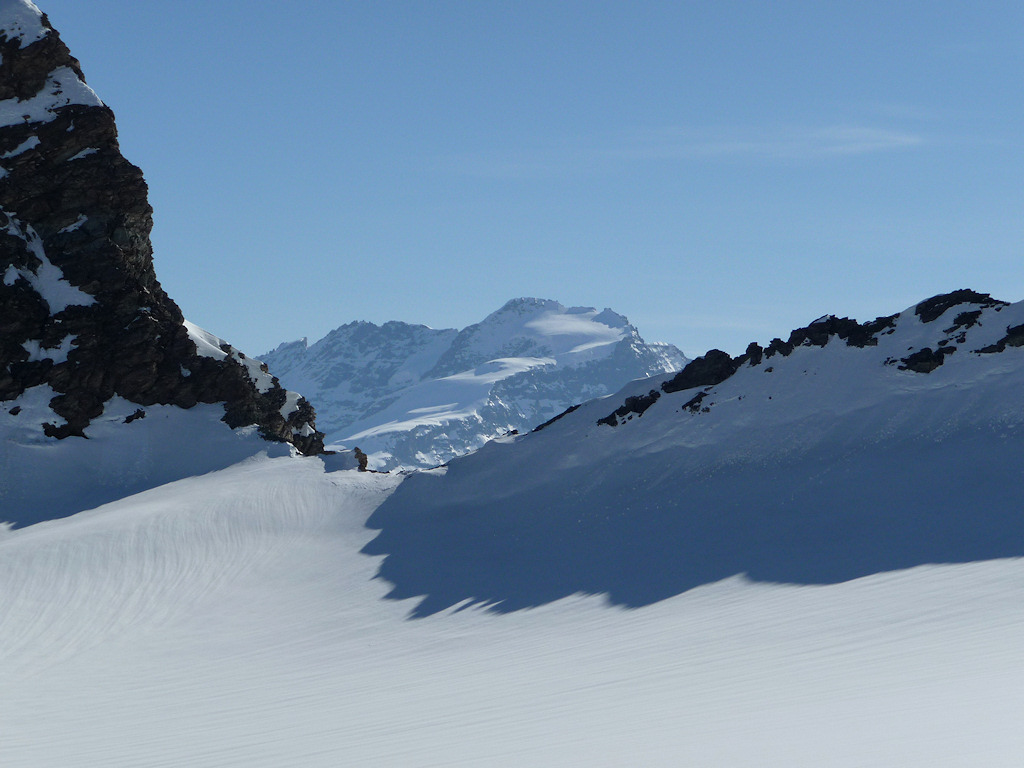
[(719, 172)]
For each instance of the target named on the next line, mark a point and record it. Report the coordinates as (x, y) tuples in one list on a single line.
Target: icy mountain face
[(411, 396), (358, 367), (83, 318), (845, 450)]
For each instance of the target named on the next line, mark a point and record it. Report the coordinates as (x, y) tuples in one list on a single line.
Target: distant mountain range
[(412, 396)]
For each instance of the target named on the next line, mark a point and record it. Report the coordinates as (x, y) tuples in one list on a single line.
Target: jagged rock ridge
[(410, 395), (81, 309), (929, 348)]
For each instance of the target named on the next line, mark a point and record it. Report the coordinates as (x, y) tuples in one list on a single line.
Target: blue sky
[(720, 172)]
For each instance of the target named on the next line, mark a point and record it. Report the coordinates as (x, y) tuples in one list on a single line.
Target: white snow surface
[(229, 620), (30, 143), (571, 335), (21, 20), (82, 218), (436, 402), (63, 87), (41, 477), (822, 569), (58, 354), (84, 153)]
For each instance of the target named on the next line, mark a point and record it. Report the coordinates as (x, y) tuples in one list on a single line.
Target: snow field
[(228, 620)]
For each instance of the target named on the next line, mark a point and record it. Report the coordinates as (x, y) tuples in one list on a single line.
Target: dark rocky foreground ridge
[(81, 309)]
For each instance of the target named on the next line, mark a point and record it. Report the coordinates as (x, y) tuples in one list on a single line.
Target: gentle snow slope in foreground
[(228, 620)]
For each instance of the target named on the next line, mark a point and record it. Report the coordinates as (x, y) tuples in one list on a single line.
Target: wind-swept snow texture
[(228, 620), (412, 396)]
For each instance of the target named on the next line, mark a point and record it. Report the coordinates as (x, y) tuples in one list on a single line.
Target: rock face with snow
[(81, 310), (412, 396)]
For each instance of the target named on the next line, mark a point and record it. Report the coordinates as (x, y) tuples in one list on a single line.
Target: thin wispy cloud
[(682, 144), (773, 144)]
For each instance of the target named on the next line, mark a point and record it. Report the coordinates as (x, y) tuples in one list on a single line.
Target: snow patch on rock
[(30, 143), (63, 87), (58, 354), (21, 20), (48, 280)]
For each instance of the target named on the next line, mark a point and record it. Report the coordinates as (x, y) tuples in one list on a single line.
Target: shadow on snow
[(510, 535)]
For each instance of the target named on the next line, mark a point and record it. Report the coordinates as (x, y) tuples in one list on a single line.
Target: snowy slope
[(413, 396), (228, 620), (810, 464), (127, 449), (823, 568)]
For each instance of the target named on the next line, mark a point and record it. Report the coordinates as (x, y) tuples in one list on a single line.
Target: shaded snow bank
[(42, 478)]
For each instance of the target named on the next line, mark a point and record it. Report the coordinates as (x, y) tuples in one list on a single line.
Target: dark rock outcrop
[(1014, 338), (933, 308), (712, 368), (553, 419), (634, 404), (926, 360), (964, 321), (818, 333), (81, 309)]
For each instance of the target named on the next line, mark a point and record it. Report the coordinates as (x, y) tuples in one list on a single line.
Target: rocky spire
[(81, 309)]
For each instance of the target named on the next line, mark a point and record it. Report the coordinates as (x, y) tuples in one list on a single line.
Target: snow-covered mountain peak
[(539, 328), (410, 395)]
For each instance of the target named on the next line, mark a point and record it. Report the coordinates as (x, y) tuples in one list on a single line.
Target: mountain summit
[(82, 314), (413, 396)]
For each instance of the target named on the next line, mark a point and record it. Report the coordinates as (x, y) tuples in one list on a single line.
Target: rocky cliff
[(81, 309)]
